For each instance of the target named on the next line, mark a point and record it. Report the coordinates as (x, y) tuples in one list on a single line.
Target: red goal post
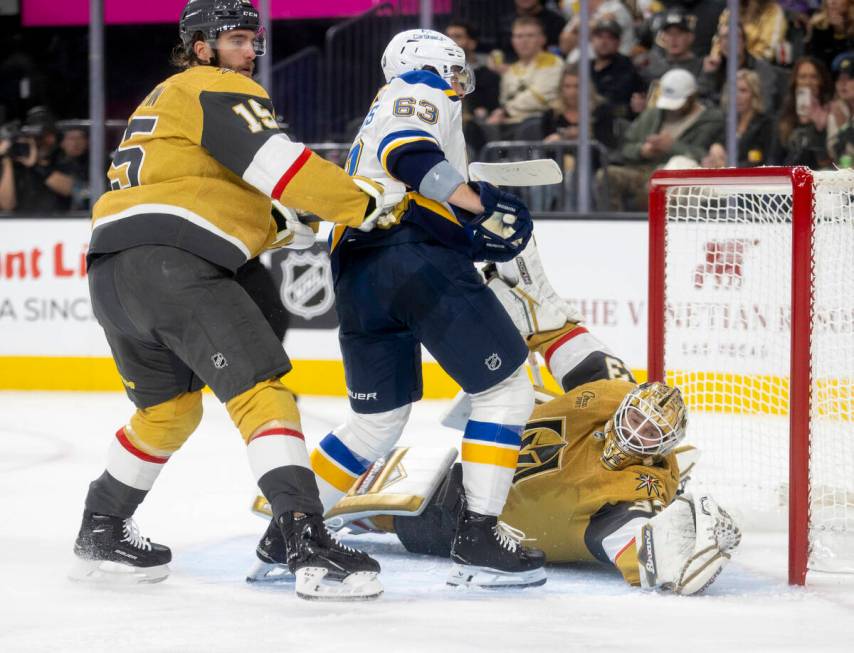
[(723, 337)]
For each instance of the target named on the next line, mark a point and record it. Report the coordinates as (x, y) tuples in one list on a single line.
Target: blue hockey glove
[(503, 229)]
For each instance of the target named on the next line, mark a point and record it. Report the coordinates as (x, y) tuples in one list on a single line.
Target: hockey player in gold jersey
[(190, 197), (597, 476)]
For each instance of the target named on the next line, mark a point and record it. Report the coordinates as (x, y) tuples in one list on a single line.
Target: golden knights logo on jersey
[(542, 443), (649, 483)]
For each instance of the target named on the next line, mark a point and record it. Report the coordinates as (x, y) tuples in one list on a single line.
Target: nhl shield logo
[(493, 362), (307, 284)]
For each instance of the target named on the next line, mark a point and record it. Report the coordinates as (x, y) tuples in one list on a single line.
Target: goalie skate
[(110, 550)]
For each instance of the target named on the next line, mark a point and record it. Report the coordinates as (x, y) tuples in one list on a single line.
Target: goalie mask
[(212, 17), (417, 49), (647, 425)]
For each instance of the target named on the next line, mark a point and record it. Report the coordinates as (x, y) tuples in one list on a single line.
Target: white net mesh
[(727, 346), (832, 409)]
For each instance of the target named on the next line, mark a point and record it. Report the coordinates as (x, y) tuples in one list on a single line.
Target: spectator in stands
[(614, 75), (704, 15), (551, 21), (562, 122), (484, 99), (31, 180), (764, 24), (711, 80), (677, 125), (600, 10), (530, 85), (755, 129), (801, 137), (676, 36), (831, 31), (840, 126), (74, 161)]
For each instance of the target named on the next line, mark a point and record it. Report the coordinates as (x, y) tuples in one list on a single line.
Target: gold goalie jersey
[(200, 159), (561, 486)]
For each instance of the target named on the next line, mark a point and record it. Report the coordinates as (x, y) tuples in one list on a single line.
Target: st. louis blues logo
[(307, 284), (649, 483)]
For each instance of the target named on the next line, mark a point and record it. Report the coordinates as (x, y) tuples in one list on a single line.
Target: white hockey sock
[(489, 455)]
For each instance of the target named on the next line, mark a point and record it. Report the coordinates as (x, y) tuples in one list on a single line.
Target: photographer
[(31, 181)]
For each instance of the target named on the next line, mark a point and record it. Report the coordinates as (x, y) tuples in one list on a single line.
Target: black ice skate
[(489, 554), (325, 568), (272, 563), (110, 549)]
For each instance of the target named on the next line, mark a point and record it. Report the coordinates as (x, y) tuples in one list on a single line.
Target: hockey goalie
[(598, 473)]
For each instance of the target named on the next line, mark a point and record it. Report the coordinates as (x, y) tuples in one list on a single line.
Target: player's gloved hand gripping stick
[(503, 229)]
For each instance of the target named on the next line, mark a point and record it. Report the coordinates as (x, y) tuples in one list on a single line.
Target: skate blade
[(269, 573), (471, 576), (358, 586), (115, 573)]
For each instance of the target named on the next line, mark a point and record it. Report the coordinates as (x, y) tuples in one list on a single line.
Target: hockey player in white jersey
[(414, 282)]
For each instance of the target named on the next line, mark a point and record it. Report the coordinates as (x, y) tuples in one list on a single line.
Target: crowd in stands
[(659, 96)]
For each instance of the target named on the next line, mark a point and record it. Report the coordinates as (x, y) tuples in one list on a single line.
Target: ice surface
[(53, 444)]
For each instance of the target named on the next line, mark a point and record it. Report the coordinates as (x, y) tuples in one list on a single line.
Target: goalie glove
[(291, 231), (686, 545), (524, 290)]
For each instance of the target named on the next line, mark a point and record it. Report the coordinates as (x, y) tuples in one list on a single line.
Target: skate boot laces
[(508, 537), (336, 538), (133, 537)]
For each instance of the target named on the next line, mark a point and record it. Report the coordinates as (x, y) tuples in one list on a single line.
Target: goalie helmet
[(417, 49), (212, 17), (648, 424)]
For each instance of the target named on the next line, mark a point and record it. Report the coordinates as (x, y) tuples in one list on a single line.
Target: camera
[(20, 149), (10, 131), (21, 139)]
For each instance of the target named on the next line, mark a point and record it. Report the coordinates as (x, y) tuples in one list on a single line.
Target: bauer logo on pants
[(307, 284)]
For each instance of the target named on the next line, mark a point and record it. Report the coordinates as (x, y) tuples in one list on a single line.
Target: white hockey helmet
[(416, 49)]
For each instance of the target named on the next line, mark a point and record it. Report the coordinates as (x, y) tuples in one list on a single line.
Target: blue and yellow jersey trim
[(399, 139)]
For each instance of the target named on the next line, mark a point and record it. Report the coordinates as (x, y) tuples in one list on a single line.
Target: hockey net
[(766, 365)]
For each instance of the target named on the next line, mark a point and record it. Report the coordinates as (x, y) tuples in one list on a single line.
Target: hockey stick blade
[(537, 172)]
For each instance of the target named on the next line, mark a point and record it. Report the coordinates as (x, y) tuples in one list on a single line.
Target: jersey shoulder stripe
[(427, 78), (400, 138), (431, 80)]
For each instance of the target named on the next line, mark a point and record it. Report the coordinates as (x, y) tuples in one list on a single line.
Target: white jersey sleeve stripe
[(271, 162)]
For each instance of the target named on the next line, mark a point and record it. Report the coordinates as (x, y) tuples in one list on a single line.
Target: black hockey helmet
[(210, 17)]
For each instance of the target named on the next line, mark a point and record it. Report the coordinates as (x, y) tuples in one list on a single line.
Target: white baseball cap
[(675, 87)]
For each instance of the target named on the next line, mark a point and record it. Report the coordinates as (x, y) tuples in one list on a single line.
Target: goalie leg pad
[(491, 441), (575, 356), (527, 295)]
